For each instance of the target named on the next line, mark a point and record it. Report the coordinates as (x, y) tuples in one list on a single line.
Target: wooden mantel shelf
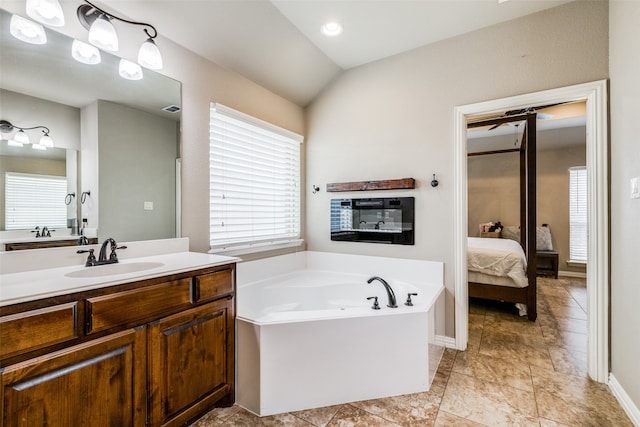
[(387, 184)]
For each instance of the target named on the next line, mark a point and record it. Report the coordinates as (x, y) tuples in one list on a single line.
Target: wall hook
[(315, 189), (83, 197), (434, 181)]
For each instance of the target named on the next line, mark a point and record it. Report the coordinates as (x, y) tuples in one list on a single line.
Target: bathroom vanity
[(154, 347)]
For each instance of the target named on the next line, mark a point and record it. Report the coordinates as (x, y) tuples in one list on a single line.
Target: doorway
[(595, 95)]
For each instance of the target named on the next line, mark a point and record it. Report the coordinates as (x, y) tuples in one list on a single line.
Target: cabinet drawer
[(31, 330), (210, 286), (143, 304)]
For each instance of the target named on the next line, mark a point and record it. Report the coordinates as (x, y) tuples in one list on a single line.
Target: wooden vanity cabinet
[(100, 382), (150, 353), (189, 363), (19, 246)]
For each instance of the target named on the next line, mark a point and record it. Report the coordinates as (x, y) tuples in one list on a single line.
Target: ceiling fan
[(539, 116)]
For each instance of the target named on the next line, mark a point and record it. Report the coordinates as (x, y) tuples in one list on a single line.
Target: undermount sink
[(109, 269)]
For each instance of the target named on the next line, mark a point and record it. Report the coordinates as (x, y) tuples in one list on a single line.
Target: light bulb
[(331, 29), (21, 137), (48, 12), (46, 141), (149, 55), (130, 70), (85, 53), (103, 35), (26, 30)]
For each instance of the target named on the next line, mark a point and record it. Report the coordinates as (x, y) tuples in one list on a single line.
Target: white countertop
[(32, 285)]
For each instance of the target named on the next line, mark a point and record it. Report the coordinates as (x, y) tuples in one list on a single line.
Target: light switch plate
[(635, 187), (148, 206)]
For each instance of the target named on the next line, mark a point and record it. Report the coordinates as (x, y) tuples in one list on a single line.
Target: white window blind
[(578, 214), (254, 181), (34, 200)]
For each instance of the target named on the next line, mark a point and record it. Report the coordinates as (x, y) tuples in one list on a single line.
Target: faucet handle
[(113, 255), (409, 303), (375, 305), (91, 259), (36, 230)]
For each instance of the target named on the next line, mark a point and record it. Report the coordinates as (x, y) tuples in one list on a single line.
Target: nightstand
[(547, 263)]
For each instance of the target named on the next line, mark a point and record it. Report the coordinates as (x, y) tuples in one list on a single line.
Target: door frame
[(595, 95)]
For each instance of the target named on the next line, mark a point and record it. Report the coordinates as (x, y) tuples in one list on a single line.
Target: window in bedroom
[(34, 200), (578, 214), (254, 183)]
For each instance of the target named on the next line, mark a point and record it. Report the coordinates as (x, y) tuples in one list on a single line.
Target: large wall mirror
[(116, 139)]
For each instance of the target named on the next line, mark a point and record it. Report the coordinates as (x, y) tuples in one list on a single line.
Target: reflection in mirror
[(126, 144)]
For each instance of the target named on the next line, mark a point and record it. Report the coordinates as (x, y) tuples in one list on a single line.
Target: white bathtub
[(307, 336)]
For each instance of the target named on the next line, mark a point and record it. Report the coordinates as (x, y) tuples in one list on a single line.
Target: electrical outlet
[(148, 206), (635, 187)]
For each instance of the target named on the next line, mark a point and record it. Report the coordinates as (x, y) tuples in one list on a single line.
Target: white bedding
[(500, 258)]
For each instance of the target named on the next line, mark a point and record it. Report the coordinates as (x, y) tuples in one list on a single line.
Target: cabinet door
[(101, 382), (190, 359)]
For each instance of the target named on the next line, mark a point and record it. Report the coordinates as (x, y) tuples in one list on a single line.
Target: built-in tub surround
[(308, 337)]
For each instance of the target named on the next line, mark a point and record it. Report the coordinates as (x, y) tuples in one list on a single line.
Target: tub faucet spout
[(390, 293)]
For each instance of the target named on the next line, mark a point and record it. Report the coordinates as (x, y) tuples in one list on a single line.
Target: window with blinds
[(34, 200), (578, 214), (254, 182)]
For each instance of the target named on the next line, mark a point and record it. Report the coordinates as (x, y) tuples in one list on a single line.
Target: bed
[(501, 263), (502, 269)]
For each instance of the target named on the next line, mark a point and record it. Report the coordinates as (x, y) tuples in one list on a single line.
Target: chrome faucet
[(102, 257), (113, 258), (390, 293), (45, 232)]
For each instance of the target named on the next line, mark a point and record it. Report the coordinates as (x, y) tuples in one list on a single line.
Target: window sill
[(257, 248), (573, 263)]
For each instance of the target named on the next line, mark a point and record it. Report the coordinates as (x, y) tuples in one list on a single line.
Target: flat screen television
[(374, 220)]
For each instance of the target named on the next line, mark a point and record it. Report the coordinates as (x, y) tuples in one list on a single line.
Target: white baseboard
[(572, 274), (625, 401), (445, 341)]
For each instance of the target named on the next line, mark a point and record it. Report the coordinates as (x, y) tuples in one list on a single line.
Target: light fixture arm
[(87, 16), (6, 127)]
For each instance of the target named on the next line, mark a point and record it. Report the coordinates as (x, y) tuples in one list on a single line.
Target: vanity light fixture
[(331, 29), (129, 70), (27, 30), (85, 53), (103, 35), (21, 137), (48, 12)]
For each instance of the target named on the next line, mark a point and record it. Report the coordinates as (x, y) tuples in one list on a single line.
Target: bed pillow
[(543, 239), (543, 236), (511, 232)]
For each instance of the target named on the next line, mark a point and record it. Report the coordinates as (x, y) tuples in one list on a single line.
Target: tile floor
[(513, 373)]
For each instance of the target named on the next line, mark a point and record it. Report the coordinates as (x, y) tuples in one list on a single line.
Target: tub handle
[(409, 303), (375, 305)]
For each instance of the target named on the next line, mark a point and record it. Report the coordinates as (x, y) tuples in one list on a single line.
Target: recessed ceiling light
[(331, 29)]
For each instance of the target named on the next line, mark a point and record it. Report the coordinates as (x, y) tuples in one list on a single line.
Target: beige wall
[(494, 192), (394, 118), (625, 212), (204, 82)]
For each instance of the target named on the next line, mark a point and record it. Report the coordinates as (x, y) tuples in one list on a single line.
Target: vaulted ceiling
[(278, 43)]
